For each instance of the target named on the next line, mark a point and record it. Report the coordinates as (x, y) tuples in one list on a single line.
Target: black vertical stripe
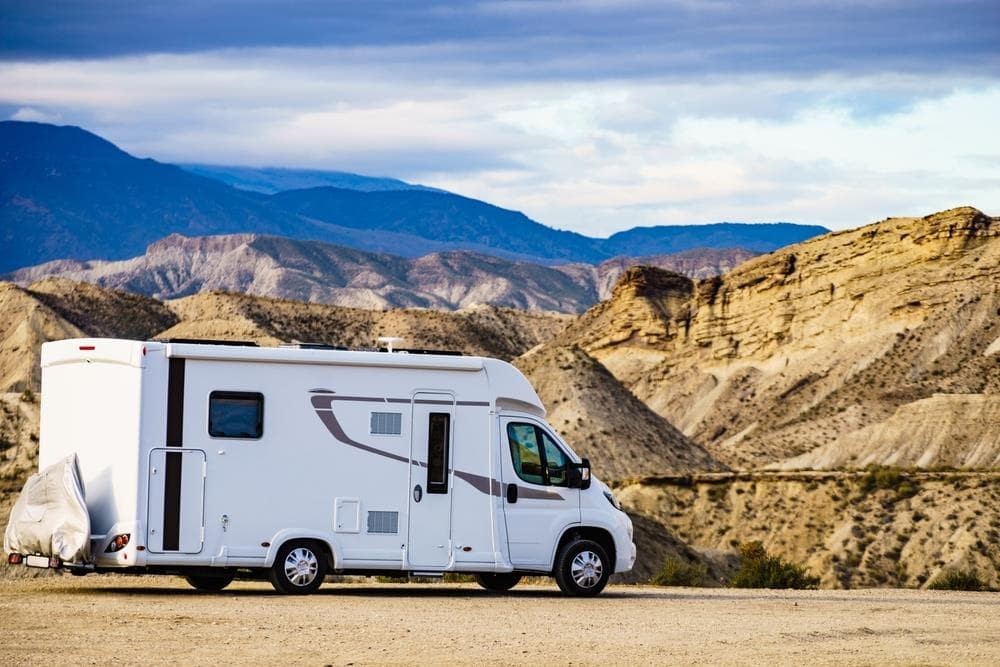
[(175, 403), (174, 460), (172, 502)]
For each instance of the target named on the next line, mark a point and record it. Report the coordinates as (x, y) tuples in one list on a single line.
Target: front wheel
[(500, 582), (299, 568), (582, 568)]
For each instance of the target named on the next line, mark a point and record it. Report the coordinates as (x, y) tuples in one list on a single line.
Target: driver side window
[(524, 452), (537, 459)]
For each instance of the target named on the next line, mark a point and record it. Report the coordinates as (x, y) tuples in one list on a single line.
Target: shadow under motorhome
[(214, 462)]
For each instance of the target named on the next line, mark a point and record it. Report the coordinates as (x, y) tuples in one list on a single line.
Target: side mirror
[(578, 475)]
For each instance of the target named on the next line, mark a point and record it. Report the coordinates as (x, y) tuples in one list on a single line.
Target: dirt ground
[(159, 620)]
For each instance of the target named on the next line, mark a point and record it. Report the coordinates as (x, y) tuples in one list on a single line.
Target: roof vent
[(390, 342), (313, 346)]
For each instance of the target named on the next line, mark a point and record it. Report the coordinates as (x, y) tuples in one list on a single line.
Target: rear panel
[(91, 395)]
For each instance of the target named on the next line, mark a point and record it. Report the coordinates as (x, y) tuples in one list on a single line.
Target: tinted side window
[(524, 452), (437, 452), (555, 462), (236, 414)]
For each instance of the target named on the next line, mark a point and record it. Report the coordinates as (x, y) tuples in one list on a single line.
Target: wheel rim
[(301, 566), (586, 569)]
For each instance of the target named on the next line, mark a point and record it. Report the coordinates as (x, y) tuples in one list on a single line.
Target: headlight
[(611, 499)]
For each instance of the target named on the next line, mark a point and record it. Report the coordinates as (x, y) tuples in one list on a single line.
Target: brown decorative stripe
[(325, 401), (481, 483), (336, 430)]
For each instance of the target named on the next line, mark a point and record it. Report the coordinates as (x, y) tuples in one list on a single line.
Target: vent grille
[(383, 522), (387, 423)]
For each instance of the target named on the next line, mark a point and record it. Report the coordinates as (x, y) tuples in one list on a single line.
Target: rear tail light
[(118, 543), (55, 561), (15, 559)]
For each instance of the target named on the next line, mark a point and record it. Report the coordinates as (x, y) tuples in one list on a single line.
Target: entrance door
[(175, 519), (431, 480), (538, 503)]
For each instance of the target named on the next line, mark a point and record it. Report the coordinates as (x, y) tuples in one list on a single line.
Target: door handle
[(512, 493), (418, 493)]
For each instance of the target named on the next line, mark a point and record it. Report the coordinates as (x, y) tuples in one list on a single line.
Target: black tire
[(583, 568), (210, 583), (299, 568), (498, 582)]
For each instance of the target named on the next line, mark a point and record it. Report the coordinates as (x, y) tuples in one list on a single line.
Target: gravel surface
[(159, 620)]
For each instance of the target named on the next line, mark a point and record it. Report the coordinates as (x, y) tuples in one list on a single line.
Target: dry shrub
[(759, 569), (676, 572)]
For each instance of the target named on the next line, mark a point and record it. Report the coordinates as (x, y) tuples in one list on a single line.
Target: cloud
[(36, 115), (821, 163), (593, 115), (553, 40)]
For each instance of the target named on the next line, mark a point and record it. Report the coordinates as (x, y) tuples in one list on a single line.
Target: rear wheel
[(299, 568), (582, 568), (210, 583), (499, 582)]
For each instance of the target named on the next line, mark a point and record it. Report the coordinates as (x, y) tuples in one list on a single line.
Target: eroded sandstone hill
[(850, 338), (26, 323), (486, 330), (602, 420), (57, 308)]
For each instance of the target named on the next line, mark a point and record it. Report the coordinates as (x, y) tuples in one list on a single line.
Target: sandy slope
[(65, 620)]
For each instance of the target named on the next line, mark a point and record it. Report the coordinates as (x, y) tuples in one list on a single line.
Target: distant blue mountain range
[(66, 193), (270, 180)]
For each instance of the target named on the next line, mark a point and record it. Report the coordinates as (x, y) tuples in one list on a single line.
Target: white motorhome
[(215, 461)]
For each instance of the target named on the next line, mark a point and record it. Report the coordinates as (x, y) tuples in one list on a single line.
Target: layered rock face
[(845, 529), (794, 350), (603, 421)]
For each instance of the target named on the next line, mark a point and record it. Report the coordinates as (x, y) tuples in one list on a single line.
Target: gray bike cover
[(50, 517)]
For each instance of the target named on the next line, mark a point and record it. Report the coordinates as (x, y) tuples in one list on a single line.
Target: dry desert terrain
[(146, 620)]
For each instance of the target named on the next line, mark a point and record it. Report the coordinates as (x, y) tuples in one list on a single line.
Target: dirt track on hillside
[(119, 620)]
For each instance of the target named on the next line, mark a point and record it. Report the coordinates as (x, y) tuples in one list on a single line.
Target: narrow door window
[(438, 437), (555, 462)]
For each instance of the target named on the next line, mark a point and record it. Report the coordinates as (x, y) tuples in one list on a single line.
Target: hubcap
[(301, 566), (586, 569)]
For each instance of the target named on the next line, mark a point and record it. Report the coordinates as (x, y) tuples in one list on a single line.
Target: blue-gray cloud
[(573, 39), (593, 115)]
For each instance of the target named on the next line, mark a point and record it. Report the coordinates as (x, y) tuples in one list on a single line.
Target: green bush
[(958, 580), (888, 478), (675, 572), (759, 569)]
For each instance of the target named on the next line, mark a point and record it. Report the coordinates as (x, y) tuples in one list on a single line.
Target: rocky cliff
[(794, 350)]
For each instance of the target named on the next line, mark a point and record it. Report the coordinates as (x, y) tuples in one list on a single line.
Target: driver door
[(538, 503)]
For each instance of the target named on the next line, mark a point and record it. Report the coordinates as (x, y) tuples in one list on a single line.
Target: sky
[(589, 115)]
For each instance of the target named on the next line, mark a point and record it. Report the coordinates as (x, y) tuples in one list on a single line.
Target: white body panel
[(342, 457)]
